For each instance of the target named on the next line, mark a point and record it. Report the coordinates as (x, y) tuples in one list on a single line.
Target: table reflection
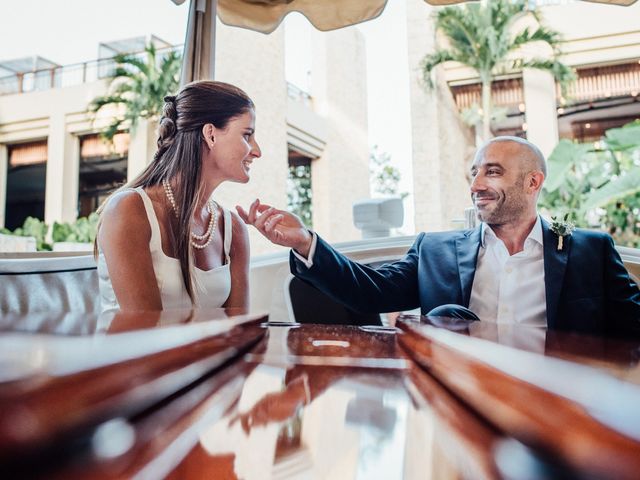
[(83, 324)]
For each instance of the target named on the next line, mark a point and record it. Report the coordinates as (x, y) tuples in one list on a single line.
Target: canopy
[(265, 16)]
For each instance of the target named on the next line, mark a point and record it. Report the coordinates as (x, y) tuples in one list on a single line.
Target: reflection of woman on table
[(166, 242)]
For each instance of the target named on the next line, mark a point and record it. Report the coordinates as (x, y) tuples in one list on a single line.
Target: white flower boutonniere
[(562, 228)]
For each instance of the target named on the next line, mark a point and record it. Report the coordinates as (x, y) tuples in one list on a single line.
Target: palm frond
[(432, 61), (125, 61), (560, 71), (99, 102)]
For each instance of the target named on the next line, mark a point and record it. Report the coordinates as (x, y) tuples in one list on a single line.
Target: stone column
[(61, 190), (4, 165), (142, 147), (340, 176), (441, 144), (540, 109)]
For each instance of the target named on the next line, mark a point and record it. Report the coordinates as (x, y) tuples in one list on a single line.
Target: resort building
[(54, 166), (603, 47)]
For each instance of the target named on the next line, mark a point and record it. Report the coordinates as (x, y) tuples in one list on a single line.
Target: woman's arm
[(124, 239), (239, 296)]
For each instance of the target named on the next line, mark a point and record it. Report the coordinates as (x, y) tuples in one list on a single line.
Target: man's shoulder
[(446, 236), (588, 235), (589, 244)]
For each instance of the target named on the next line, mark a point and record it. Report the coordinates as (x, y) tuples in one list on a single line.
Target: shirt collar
[(535, 234)]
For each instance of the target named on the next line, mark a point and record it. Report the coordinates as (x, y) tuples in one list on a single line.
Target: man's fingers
[(272, 222), (264, 217), (252, 211)]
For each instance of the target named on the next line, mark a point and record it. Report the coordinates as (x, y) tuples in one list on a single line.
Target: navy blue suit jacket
[(587, 287)]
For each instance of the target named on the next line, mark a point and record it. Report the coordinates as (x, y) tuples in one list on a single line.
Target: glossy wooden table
[(186, 395)]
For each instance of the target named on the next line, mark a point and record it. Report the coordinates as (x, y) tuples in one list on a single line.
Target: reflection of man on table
[(513, 268)]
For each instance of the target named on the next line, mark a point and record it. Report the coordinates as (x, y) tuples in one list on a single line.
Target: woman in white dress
[(163, 242)]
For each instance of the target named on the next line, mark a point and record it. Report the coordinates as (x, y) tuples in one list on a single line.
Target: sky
[(69, 31)]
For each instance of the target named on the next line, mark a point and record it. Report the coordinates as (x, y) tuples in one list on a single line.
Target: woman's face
[(234, 148)]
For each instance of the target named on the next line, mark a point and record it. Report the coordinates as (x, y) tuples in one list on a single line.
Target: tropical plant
[(485, 37), (598, 185), (32, 227), (83, 230), (137, 87), (299, 193), (384, 177)]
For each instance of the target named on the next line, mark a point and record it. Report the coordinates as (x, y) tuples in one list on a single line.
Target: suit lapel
[(467, 251), (555, 264)]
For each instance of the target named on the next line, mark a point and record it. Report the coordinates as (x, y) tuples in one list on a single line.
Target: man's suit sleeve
[(390, 288), (623, 296)]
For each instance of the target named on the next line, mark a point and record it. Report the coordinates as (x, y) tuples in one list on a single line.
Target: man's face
[(498, 187)]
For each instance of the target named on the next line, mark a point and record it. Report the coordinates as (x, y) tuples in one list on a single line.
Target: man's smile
[(483, 200)]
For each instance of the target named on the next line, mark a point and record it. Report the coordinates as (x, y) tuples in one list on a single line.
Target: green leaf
[(615, 190), (624, 138), (564, 156)]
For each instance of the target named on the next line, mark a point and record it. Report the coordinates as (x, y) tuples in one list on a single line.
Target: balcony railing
[(604, 82), (594, 83), (66, 75), (504, 93)]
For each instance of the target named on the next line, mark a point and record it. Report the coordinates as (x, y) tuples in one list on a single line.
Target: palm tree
[(483, 37), (139, 85)]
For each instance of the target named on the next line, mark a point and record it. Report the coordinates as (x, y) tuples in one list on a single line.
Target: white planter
[(72, 247), (14, 243)]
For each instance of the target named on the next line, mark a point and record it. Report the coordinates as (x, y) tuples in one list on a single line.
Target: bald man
[(508, 270)]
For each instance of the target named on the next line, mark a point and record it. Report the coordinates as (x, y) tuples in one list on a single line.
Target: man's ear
[(535, 181), (209, 134)]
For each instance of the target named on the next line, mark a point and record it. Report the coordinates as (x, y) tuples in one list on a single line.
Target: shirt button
[(509, 270)]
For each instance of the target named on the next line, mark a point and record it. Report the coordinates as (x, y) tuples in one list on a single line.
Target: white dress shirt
[(510, 288), (312, 251)]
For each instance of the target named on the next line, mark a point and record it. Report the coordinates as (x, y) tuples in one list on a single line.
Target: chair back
[(310, 305), (49, 284)]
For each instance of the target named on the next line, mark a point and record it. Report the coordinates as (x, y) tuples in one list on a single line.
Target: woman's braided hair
[(167, 126)]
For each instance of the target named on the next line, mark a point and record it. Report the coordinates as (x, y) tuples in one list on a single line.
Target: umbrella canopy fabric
[(265, 16)]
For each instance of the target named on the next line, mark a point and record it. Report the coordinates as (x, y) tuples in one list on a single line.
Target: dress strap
[(151, 217), (228, 230)]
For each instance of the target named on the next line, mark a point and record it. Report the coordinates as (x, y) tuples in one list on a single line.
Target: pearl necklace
[(207, 237)]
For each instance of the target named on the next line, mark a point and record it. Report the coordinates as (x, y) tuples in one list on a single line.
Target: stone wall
[(442, 145)]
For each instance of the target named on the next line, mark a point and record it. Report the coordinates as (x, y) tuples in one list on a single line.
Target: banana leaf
[(615, 190), (564, 156)]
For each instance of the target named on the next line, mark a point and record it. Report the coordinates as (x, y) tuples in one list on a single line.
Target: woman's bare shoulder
[(124, 201), (238, 226), (125, 209)]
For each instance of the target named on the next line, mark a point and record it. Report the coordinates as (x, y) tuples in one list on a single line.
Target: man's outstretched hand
[(279, 226)]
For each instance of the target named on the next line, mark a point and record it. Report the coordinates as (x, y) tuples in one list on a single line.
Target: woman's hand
[(279, 226)]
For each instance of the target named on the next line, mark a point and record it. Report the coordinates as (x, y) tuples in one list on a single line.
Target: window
[(26, 178), (299, 192), (103, 168)]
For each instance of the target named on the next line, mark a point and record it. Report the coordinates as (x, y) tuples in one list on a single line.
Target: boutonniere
[(562, 228)]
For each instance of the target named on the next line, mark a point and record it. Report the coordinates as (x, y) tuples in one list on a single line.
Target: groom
[(513, 268)]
